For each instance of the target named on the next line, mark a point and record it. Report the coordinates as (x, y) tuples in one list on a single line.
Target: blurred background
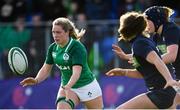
[(27, 24)]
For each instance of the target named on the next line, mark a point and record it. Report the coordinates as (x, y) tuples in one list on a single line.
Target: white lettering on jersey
[(63, 67)]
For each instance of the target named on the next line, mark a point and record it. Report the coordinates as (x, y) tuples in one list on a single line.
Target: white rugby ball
[(17, 60)]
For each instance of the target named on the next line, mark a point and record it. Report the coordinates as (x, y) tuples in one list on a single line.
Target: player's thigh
[(173, 107), (74, 97), (177, 99), (96, 103), (61, 93), (139, 102)]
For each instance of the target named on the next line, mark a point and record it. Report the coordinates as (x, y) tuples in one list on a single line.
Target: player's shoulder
[(142, 42), (171, 26), (77, 43), (142, 39), (52, 45)]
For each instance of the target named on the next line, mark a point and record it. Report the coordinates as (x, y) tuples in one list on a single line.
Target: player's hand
[(81, 33), (67, 90), (173, 83), (117, 72), (130, 61), (119, 52), (29, 81)]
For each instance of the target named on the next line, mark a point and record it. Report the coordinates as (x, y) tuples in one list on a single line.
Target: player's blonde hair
[(68, 25), (168, 12)]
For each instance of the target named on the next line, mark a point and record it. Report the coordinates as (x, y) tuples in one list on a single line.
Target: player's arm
[(43, 72), (153, 58), (132, 73), (42, 75), (172, 40), (171, 54), (75, 76), (47, 66), (79, 56)]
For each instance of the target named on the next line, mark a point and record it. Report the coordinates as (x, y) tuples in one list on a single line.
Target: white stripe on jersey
[(69, 44)]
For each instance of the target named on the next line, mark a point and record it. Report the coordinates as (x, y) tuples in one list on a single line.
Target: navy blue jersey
[(162, 48), (171, 34), (141, 47)]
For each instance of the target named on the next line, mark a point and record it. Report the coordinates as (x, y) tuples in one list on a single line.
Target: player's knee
[(60, 99), (71, 103), (62, 103)]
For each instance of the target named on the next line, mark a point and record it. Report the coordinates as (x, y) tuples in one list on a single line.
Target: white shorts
[(88, 92)]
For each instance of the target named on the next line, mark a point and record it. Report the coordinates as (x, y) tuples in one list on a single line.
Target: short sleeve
[(49, 58), (172, 36), (142, 48), (79, 55)]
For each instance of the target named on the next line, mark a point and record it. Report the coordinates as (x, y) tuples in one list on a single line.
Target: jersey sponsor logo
[(135, 62), (63, 67), (162, 48), (66, 56)]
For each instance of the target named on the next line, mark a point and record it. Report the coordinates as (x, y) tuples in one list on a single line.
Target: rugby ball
[(17, 60)]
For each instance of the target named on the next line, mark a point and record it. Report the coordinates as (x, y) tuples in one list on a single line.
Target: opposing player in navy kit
[(166, 35), (159, 23), (78, 84), (148, 65)]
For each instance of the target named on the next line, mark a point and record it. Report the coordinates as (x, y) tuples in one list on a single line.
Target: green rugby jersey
[(74, 53)]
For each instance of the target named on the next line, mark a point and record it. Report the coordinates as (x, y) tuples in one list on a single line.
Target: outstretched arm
[(153, 58), (75, 76), (43, 72), (42, 75), (132, 73)]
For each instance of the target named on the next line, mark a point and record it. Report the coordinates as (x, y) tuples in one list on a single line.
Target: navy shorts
[(162, 98)]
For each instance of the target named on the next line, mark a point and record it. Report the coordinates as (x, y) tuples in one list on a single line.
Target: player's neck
[(65, 42)]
